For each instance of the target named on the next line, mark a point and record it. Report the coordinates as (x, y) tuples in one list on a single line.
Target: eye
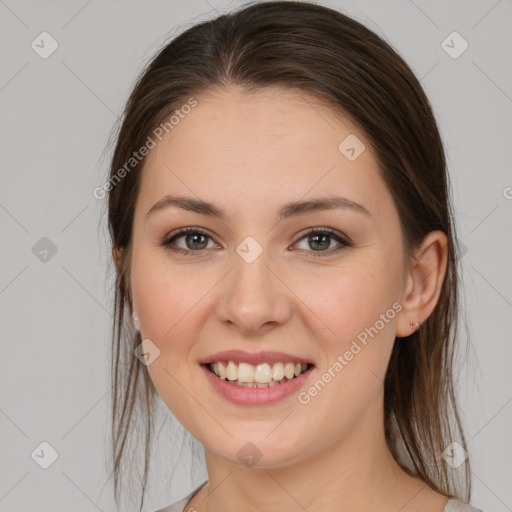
[(195, 239), (321, 238)]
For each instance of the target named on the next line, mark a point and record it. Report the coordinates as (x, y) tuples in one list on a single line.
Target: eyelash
[(343, 241)]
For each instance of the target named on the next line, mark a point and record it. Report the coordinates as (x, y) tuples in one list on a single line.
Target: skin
[(249, 154)]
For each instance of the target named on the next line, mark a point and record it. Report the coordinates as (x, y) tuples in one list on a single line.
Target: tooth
[(272, 383), (289, 370), (245, 372), (231, 371), (263, 373), (248, 384), (277, 371), (222, 370)]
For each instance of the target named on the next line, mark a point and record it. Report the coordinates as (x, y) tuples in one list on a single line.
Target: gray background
[(57, 114)]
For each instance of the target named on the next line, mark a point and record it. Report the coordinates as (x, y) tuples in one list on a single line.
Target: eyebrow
[(288, 210)]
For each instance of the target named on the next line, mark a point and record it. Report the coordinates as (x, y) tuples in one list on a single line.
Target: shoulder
[(456, 505), (179, 506), (452, 505)]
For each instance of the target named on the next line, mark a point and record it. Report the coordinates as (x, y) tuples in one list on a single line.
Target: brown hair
[(326, 54)]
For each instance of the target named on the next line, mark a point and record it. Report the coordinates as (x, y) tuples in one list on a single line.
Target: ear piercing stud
[(414, 325), (136, 322)]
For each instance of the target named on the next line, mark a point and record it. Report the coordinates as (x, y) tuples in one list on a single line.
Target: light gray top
[(452, 505)]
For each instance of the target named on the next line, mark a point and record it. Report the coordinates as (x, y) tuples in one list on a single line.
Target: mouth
[(262, 375)]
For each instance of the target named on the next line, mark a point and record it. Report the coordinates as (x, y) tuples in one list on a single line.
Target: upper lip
[(253, 358)]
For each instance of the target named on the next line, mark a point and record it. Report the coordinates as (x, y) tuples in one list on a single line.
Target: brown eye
[(320, 241), (194, 239)]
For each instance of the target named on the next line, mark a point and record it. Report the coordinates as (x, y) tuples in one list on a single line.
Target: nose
[(253, 298)]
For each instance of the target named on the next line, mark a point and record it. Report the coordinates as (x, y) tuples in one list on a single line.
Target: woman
[(283, 238)]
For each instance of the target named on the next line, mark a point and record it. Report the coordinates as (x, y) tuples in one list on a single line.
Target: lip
[(256, 396), (254, 358)]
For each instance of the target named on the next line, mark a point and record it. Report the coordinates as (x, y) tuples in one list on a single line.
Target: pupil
[(325, 237), (324, 244), (194, 236)]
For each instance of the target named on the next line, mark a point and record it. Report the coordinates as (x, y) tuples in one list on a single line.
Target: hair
[(327, 55)]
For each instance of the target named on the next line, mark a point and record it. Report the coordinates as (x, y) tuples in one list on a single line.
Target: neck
[(358, 473)]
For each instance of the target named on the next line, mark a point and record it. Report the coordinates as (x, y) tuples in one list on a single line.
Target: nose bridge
[(251, 267), (252, 296)]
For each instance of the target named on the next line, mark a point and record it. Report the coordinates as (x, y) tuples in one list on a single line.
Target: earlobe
[(424, 282), (136, 321)]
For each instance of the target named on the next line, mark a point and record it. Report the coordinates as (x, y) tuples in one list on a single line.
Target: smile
[(256, 393), (261, 376)]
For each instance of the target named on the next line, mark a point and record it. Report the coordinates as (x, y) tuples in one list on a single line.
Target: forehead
[(259, 148)]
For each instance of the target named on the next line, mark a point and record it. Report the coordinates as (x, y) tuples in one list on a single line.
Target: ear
[(424, 280), (117, 255)]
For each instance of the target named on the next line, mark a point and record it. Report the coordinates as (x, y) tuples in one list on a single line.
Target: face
[(255, 280)]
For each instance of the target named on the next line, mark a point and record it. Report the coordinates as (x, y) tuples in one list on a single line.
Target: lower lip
[(255, 396)]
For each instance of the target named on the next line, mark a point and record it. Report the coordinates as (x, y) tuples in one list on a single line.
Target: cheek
[(168, 302), (357, 306), (351, 315), (169, 308), (173, 306), (346, 300)]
